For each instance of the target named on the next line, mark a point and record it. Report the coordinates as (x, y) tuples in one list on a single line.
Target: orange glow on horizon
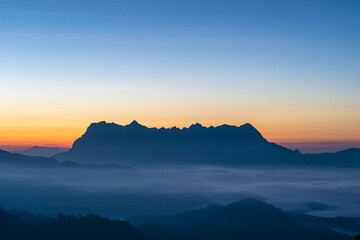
[(65, 135)]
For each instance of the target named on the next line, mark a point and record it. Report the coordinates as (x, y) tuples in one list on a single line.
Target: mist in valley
[(125, 193)]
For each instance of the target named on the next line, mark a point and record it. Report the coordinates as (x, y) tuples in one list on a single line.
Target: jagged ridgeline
[(225, 145), (137, 144)]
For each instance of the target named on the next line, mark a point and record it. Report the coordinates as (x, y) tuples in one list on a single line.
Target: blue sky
[(292, 68)]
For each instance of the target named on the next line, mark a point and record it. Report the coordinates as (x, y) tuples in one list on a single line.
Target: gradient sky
[(291, 68)]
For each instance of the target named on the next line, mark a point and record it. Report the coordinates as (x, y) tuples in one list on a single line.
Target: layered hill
[(29, 227), (41, 151), (137, 144), (346, 158), (16, 159), (245, 219), (19, 160)]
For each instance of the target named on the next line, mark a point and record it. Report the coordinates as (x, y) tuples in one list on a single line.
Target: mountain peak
[(251, 129), (135, 124), (196, 126), (248, 126), (248, 203), (98, 124)]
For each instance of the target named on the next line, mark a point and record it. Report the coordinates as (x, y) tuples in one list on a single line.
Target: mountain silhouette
[(245, 219), (188, 217), (41, 151), (348, 225), (346, 158), (29, 227), (16, 159), (135, 144), (19, 160)]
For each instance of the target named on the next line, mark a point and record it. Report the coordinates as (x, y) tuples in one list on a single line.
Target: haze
[(132, 192)]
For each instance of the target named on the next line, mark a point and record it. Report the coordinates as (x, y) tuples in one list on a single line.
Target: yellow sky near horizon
[(46, 114), (63, 132)]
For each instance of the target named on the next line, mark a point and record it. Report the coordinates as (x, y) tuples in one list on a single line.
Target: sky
[(290, 68)]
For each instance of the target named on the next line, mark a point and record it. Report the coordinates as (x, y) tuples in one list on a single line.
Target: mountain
[(14, 228), (29, 227), (179, 219), (19, 160), (16, 159), (346, 158), (245, 219), (348, 225), (137, 144), (42, 151)]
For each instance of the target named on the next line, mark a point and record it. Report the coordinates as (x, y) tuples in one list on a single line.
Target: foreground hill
[(348, 225), (65, 228), (222, 145), (246, 220)]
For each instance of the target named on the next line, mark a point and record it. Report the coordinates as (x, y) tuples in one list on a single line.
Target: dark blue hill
[(245, 219)]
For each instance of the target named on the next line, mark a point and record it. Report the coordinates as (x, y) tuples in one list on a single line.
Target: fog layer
[(124, 193)]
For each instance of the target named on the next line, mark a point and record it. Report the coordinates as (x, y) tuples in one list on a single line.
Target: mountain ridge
[(25, 226), (244, 145), (38, 151), (135, 143), (20, 160), (244, 219)]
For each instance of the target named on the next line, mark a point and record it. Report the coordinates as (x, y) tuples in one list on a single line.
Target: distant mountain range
[(245, 219), (41, 151), (135, 144), (19, 160)]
